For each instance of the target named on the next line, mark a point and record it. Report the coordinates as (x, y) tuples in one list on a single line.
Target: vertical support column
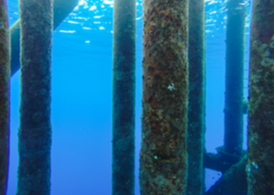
[(4, 97), (163, 155), (124, 39), (260, 167), (35, 126), (233, 111), (195, 139), (62, 8)]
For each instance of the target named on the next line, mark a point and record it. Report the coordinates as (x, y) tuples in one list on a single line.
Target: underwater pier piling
[(4, 97), (260, 167), (123, 140), (61, 9), (163, 155), (196, 120), (234, 78), (36, 20)]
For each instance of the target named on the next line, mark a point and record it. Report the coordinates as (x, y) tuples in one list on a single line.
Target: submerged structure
[(35, 104), (124, 81), (61, 9), (163, 155), (172, 156), (4, 97), (260, 166), (35, 127), (234, 76), (196, 102)]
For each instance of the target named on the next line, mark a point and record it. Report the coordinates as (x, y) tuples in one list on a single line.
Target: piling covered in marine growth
[(163, 155), (62, 8), (35, 127), (234, 78), (260, 167), (195, 139), (123, 157), (4, 97)]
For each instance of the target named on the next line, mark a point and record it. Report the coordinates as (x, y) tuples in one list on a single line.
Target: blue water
[(82, 96)]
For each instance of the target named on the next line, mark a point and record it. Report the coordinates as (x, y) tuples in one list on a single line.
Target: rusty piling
[(260, 166), (163, 155)]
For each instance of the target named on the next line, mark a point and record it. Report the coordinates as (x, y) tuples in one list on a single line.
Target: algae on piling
[(35, 102), (196, 104), (260, 167), (4, 97), (123, 112), (163, 155)]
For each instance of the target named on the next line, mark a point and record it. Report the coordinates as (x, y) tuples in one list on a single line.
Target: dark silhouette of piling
[(233, 181), (4, 97), (260, 167), (234, 78), (35, 126), (163, 155), (61, 9), (124, 37), (195, 138)]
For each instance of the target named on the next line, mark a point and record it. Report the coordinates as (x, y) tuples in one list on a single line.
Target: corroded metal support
[(4, 97), (35, 104), (234, 78), (61, 9), (123, 150), (163, 155), (195, 139), (260, 167)]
